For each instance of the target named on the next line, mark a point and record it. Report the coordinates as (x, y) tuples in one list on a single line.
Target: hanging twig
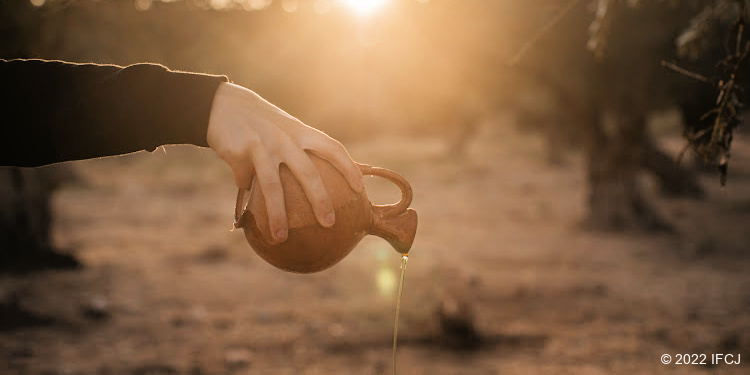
[(729, 103), (686, 72), (541, 32)]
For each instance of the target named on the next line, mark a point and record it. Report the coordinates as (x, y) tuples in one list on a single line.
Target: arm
[(53, 111)]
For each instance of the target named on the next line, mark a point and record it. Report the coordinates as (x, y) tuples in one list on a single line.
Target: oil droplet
[(404, 258)]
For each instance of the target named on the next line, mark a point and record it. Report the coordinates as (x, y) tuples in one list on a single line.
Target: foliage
[(711, 138)]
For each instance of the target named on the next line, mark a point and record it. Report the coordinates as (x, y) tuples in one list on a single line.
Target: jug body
[(309, 246)]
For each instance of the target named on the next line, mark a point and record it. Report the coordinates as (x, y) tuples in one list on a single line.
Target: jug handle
[(406, 193), (396, 223)]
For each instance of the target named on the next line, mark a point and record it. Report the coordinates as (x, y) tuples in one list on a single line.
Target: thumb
[(243, 175)]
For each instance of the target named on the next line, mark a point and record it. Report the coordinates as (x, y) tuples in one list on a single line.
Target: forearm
[(54, 111)]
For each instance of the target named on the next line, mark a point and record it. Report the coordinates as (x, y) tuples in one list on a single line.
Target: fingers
[(337, 155), (309, 177), (243, 174), (267, 173), (254, 138)]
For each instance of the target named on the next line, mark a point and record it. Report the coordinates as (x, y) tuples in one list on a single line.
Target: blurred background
[(557, 234)]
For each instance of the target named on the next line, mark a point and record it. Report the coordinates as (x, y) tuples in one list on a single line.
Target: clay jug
[(310, 247)]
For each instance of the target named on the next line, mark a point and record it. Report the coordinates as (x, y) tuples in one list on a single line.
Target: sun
[(364, 7)]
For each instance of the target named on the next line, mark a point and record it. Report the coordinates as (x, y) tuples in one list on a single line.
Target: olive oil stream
[(404, 258)]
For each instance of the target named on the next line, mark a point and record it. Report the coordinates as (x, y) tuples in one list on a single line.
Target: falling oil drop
[(404, 258)]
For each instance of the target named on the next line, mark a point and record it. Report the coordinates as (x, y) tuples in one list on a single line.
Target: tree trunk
[(674, 180), (26, 193), (458, 142), (26, 219), (616, 200)]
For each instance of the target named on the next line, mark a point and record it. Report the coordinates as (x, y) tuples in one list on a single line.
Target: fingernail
[(281, 235), (330, 219)]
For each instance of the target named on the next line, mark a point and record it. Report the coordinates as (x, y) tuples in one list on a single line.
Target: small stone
[(336, 330), (97, 308), (456, 323), (213, 254), (237, 358)]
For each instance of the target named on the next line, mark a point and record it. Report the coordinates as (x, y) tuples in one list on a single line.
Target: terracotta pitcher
[(310, 247)]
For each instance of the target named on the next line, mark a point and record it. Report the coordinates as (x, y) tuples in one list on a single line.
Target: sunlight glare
[(219, 4), (386, 279), (364, 7), (142, 5), (257, 4), (290, 6)]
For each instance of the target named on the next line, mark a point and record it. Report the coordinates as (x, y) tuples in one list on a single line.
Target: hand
[(254, 137)]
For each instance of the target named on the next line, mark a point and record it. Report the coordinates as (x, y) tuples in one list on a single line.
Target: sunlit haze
[(364, 7)]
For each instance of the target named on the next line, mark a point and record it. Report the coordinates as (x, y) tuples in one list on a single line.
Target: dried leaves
[(712, 139), (696, 38)]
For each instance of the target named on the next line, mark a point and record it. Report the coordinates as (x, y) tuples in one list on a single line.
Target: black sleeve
[(54, 111)]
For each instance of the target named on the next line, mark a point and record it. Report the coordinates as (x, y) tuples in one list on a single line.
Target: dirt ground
[(167, 288)]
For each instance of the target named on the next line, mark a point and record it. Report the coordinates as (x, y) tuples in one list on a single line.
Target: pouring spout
[(398, 230)]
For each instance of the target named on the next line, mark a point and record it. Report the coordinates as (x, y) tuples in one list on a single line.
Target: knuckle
[(253, 141), (335, 145), (316, 140), (231, 155), (271, 187), (323, 201), (327, 145), (311, 175)]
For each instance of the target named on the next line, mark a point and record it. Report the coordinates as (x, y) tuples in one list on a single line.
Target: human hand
[(254, 137)]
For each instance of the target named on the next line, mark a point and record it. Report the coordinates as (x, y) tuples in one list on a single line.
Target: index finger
[(337, 155)]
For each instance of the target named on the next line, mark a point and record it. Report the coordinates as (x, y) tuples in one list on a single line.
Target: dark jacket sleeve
[(54, 111)]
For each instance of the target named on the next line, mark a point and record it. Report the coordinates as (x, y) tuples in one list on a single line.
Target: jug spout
[(398, 230)]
